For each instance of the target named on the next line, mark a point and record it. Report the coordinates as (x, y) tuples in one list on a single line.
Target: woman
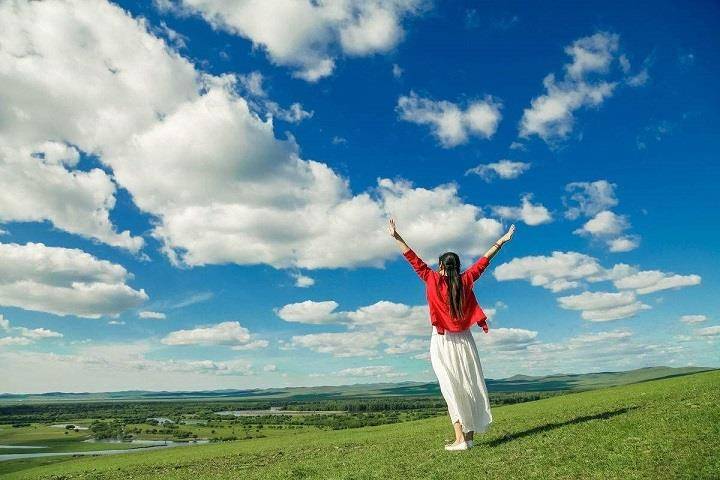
[(453, 353)]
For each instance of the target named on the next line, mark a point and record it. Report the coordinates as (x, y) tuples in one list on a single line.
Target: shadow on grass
[(550, 426)]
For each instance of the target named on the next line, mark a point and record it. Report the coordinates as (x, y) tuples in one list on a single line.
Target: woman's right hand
[(392, 229)]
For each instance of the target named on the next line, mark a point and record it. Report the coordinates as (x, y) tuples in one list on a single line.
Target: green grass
[(658, 429)]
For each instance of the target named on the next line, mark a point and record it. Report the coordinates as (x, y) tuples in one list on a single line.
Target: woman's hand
[(392, 229), (394, 233), (508, 236)]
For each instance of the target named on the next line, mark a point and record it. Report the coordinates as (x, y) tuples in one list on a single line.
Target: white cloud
[(451, 124), (506, 339), (193, 154), (419, 212), (63, 281), (252, 345), (396, 70), (395, 325), (389, 318), (24, 335), (593, 199), (690, 319), (708, 331), (371, 371), (340, 344), (152, 315), (565, 270), (252, 85), (551, 116), (531, 214), (44, 183), (649, 281), (302, 281), (593, 338), (591, 54), (589, 198), (15, 341), (193, 299), (603, 306), (116, 366), (225, 333), (310, 312), (320, 30), (560, 271), (605, 223), (624, 244), (405, 345), (504, 169)]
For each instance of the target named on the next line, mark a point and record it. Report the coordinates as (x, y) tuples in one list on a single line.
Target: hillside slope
[(659, 429)]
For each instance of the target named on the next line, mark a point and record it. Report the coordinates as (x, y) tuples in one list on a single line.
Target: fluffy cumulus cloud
[(557, 272), (393, 328), (649, 281), (320, 30), (64, 281), (225, 333), (528, 212), (594, 200), (589, 198), (42, 183), (551, 116), (503, 169), (563, 271), (603, 306), (23, 335), (309, 312), (450, 123), (194, 154)]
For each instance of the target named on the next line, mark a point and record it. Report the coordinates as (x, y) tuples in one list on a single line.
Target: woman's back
[(438, 295)]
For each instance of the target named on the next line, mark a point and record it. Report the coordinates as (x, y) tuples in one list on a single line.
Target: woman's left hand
[(509, 235)]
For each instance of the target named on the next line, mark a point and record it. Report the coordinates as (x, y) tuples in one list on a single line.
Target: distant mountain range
[(516, 383)]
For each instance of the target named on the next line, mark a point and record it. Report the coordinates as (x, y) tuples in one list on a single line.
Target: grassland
[(657, 429)]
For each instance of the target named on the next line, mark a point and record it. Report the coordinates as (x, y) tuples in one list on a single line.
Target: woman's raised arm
[(477, 268), (396, 235), (501, 241), (416, 262)]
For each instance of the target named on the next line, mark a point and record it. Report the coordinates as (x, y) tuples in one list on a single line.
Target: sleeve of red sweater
[(417, 264), (477, 268)]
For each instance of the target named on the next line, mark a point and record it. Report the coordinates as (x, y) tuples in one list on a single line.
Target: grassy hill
[(668, 428)]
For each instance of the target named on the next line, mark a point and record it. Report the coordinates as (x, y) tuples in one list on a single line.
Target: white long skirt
[(455, 359)]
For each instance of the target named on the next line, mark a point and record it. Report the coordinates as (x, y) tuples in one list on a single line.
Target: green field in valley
[(658, 429)]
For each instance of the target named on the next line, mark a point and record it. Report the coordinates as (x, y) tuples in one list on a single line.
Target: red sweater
[(436, 291)]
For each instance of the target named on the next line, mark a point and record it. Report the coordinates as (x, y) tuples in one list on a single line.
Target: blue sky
[(193, 195)]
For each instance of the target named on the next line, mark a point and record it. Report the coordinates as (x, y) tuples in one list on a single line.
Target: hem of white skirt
[(482, 429)]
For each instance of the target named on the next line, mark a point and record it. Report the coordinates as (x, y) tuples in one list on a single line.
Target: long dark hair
[(451, 264)]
